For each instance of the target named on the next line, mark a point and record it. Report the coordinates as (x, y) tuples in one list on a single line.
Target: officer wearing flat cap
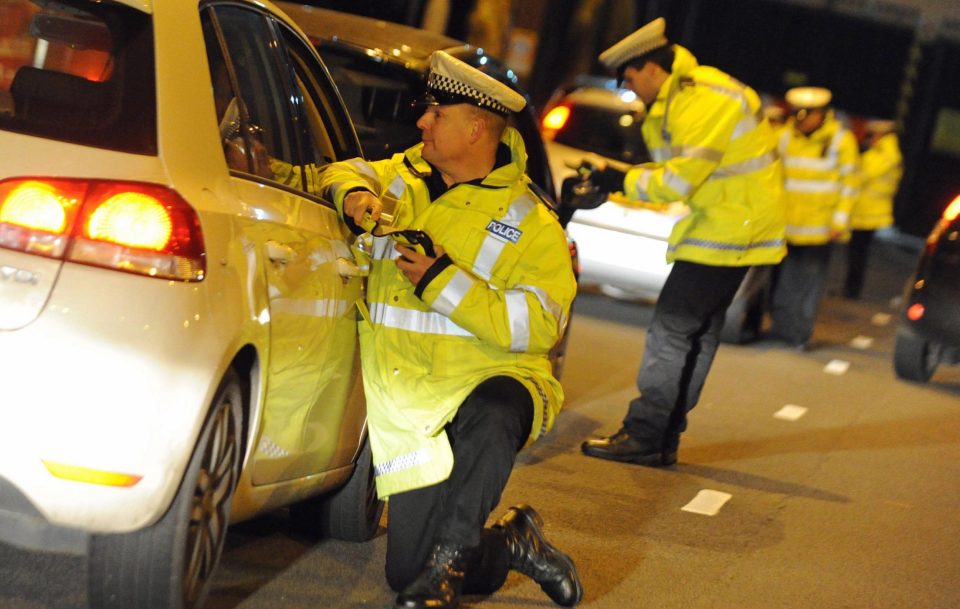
[(712, 148), (454, 348), (821, 185)]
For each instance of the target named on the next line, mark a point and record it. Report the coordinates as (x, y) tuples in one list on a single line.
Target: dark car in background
[(929, 332), (381, 67)]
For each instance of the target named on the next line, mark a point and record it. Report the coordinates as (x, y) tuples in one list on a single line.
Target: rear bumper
[(22, 525)]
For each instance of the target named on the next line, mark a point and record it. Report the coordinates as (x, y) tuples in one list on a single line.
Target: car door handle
[(280, 253)]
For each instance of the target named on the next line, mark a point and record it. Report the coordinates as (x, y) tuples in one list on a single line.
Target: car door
[(281, 120)]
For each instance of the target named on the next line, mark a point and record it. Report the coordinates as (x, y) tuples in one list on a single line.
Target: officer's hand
[(358, 204), (413, 264), (608, 179)]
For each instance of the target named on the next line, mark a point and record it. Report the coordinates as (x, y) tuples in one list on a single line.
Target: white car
[(622, 248), (177, 316)]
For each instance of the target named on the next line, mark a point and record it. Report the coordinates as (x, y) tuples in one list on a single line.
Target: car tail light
[(556, 118), (915, 312), (128, 226)]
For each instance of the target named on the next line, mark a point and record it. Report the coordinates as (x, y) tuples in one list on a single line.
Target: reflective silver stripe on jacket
[(849, 191), (417, 457), (727, 247), (543, 399), (546, 302), (411, 320), (679, 185), (811, 186), (518, 315), (397, 186), (744, 167), (453, 293), (807, 230), (694, 152), (841, 218), (363, 167), (493, 245)]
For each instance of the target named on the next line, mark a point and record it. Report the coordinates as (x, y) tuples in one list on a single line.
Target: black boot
[(532, 555), (621, 446), (438, 585)]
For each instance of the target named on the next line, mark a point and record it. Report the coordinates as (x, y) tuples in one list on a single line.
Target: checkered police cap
[(648, 38), (452, 81)]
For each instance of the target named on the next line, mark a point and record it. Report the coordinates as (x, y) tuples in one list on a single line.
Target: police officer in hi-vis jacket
[(455, 346), (713, 149)]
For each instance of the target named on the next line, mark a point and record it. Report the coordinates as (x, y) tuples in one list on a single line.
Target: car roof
[(390, 41), (616, 99)]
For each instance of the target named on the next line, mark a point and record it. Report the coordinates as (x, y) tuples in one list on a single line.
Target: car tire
[(914, 357), (351, 513), (169, 564)]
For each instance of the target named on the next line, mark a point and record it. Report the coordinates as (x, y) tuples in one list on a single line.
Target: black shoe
[(438, 585), (621, 446), (532, 555)]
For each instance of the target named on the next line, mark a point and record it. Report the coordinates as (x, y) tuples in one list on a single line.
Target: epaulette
[(541, 194)]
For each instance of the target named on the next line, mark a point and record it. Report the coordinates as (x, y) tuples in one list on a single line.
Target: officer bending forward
[(455, 361)]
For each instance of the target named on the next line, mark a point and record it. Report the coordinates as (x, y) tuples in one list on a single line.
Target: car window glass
[(254, 108), (378, 99), (326, 130), (610, 132), (79, 72)]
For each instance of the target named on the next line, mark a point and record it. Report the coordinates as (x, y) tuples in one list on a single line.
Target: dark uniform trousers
[(798, 289), (681, 343), (490, 427), (858, 250)]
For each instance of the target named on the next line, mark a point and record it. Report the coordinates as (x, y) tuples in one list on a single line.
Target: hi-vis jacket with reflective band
[(881, 168), (713, 149), (497, 310), (821, 181)]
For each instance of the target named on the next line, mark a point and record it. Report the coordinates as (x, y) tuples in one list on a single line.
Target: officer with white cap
[(881, 167), (713, 149), (454, 353), (821, 185)]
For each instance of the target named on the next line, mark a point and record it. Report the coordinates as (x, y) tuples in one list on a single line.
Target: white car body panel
[(117, 370), (622, 247)]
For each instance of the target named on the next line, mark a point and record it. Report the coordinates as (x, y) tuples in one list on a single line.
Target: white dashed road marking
[(861, 342), (880, 319), (790, 412), (707, 502), (837, 366)]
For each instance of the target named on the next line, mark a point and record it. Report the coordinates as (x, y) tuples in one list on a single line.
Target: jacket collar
[(683, 63), (508, 170)]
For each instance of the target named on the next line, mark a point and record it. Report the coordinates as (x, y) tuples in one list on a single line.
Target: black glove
[(608, 179)]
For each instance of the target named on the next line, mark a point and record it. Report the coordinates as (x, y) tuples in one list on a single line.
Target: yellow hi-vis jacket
[(496, 310), (881, 167), (713, 149), (821, 180)]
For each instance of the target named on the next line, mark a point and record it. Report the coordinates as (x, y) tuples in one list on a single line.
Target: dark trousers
[(489, 429), (797, 292), (858, 251), (681, 343)]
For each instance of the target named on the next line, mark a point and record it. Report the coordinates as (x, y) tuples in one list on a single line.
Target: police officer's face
[(808, 121), (445, 131), (645, 81)]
